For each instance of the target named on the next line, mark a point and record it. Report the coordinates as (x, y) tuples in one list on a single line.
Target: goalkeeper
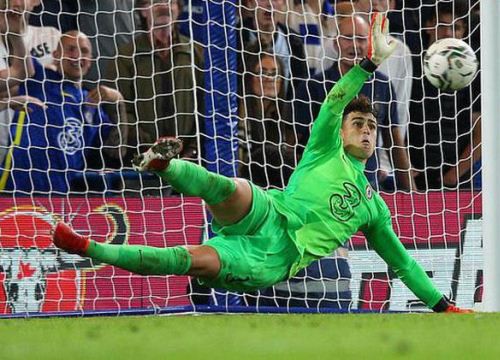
[(266, 237)]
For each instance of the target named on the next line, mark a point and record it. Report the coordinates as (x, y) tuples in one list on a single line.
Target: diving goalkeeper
[(264, 237)]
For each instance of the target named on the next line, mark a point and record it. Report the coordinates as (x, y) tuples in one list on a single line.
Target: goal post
[(490, 53)]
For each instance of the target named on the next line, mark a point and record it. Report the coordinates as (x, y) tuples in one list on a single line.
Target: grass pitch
[(346, 336)]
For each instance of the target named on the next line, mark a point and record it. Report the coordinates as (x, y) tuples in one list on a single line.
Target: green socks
[(194, 180), (143, 260), (189, 179)]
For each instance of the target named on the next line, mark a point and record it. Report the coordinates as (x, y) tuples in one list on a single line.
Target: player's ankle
[(162, 172), (86, 246)]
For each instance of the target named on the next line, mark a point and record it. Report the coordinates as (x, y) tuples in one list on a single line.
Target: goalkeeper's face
[(359, 133)]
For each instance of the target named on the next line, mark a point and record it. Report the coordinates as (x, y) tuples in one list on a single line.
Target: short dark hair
[(360, 104)]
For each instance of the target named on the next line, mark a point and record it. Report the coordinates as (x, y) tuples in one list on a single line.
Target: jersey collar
[(356, 163)]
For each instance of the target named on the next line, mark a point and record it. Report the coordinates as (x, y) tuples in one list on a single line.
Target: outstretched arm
[(387, 245), (325, 131), (20, 103)]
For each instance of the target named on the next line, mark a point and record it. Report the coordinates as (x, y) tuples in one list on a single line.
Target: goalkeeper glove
[(158, 156), (380, 45)]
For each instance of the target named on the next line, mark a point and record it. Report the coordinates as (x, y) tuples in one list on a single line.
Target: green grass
[(352, 336)]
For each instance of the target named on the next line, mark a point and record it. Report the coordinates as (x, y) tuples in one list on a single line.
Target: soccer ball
[(450, 64)]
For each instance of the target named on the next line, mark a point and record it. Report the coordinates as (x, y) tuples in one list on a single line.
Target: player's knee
[(242, 196), (234, 208), (243, 190), (205, 262)]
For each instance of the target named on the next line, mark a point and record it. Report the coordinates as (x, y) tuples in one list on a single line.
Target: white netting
[(241, 83)]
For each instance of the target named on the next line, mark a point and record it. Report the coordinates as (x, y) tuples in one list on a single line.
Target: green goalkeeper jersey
[(328, 198)]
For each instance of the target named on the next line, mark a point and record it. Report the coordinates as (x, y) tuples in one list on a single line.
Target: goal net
[(241, 83)]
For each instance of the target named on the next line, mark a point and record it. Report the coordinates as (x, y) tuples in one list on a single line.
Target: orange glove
[(380, 45)]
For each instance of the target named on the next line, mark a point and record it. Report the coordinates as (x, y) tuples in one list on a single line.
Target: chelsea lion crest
[(369, 192)]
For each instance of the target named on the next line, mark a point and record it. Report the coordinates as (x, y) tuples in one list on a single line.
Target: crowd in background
[(86, 85), (96, 82)]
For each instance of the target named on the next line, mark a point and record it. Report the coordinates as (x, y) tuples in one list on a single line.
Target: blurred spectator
[(474, 27), (270, 167), (263, 128), (155, 75), (48, 145), (352, 46), (477, 178), (246, 15), (109, 25), (41, 41), (15, 65), (144, 13), (268, 31), (408, 21), (445, 129), (313, 20), (20, 102), (59, 14)]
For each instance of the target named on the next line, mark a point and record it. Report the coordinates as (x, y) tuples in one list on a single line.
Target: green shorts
[(256, 252)]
